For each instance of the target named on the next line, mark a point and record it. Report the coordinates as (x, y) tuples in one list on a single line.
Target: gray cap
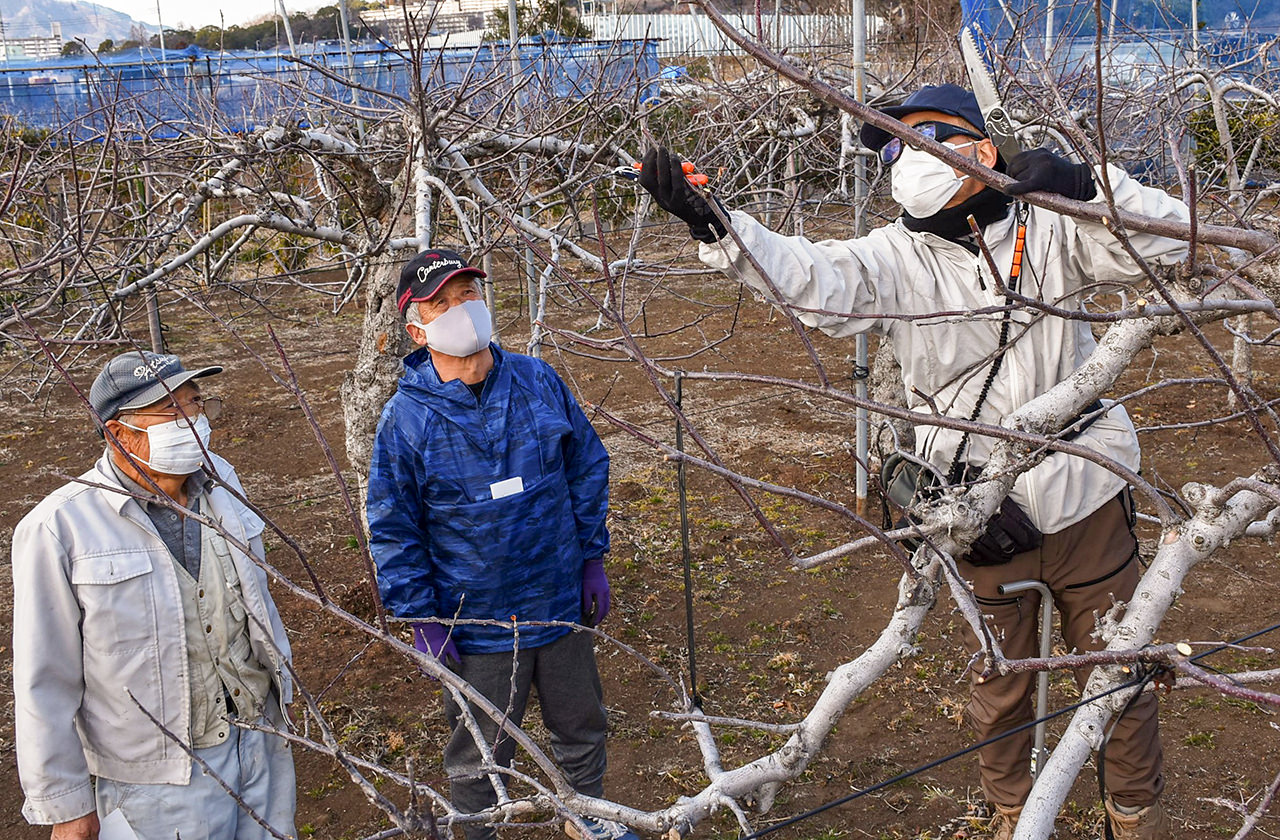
[(137, 379)]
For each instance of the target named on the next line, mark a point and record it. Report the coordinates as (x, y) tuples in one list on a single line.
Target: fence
[(693, 35)]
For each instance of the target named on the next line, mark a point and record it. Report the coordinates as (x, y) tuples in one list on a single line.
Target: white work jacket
[(895, 271), (98, 616)]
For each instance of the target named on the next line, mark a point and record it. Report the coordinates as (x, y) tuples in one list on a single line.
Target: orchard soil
[(766, 634)]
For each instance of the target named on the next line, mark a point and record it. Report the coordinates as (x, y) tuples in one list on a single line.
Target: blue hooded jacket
[(443, 545)]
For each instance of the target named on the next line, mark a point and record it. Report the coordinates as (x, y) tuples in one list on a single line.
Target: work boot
[(1004, 822), (1149, 823)]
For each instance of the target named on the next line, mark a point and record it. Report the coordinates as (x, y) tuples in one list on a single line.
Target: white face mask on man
[(461, 330), (922, 184), (176, 446)]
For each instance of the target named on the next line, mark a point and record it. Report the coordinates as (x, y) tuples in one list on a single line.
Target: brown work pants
[(1084, 566)]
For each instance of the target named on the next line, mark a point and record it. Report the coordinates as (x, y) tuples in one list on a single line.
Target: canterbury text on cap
[(423, 275)]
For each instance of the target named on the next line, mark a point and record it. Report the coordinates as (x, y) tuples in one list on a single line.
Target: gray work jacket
[(98, 617)]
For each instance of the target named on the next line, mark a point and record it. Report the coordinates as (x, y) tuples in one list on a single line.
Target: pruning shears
[(994, 114), (691, 173)]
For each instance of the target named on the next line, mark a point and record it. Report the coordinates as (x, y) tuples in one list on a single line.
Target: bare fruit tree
[(107, 224)]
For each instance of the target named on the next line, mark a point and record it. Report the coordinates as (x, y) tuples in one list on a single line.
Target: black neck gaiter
[(953, 223)]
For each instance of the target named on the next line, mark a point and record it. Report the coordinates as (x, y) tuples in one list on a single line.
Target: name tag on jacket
[(506, 487)]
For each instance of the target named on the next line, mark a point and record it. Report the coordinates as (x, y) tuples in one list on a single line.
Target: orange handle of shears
[(691, 173)]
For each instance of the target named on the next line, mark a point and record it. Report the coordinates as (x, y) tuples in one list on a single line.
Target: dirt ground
[(765, 634)]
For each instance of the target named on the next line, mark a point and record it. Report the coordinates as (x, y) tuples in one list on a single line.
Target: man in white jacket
[(1071, 522), (136, 596)]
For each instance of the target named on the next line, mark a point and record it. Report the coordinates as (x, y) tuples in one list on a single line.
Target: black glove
[(663, 177), (1041, 169)]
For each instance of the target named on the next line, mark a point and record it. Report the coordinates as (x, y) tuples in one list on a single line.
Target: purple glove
[(595, 592), (433, 638)]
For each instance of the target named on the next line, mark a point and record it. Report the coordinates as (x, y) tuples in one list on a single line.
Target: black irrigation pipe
[(1141, 678)]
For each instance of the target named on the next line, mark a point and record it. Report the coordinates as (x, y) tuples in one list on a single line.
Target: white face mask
[(177, 447), (461, 330), (922, 184)]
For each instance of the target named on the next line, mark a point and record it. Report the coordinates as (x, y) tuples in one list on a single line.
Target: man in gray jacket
[(983, 368), (136, 596)]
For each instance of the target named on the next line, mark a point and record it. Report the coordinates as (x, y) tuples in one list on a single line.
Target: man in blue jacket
[(488, 492)]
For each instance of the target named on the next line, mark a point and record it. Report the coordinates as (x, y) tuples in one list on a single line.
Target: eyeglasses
[(210, 407), (938, 131)]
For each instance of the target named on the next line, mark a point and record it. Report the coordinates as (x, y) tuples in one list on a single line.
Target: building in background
[(432, 17), (33, 48)]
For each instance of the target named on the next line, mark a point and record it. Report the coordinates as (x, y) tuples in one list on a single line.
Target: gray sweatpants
[(256, 765), (564, 673)]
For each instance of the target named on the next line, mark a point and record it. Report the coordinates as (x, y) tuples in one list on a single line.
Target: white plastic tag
[(507, 487), (115, 827)]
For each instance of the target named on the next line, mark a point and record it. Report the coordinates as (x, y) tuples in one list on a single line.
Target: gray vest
[(219, 658)]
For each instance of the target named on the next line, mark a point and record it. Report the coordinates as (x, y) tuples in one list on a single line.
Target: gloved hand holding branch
[(1041, 169)]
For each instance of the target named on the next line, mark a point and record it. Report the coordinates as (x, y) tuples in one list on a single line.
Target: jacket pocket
[(222, 549), (235, 605), (115, 591), (518, 555)]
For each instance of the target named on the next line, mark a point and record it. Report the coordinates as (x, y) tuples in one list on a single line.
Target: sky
[(198, 13)]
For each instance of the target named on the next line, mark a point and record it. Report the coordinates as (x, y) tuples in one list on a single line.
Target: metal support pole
[(530, 274), (154, 326), (1039, 755), (160, 22), (686, 554), (862, 353), (288, 29), (1195, 29), (1048, 32), (207, 214), (490, 293), (4, 44), (345, 17)]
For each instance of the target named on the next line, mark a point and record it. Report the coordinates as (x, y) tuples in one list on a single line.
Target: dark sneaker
[(600, 830)]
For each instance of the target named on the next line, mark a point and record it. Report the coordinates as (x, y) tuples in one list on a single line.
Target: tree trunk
[(885, 386), (372, 379), (1242, 357)]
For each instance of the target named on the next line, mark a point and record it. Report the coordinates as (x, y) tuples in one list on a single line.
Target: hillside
[(80, 20)]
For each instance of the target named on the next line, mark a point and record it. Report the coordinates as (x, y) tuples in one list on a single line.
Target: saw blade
[(999, 124)]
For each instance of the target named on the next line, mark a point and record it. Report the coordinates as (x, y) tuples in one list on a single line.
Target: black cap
[(945, 99), (137, 379), (423, 275)]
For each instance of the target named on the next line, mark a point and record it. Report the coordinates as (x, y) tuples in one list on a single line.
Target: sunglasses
[(937, 131)]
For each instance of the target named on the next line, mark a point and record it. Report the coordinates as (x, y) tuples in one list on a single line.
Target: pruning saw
[(999, 123)]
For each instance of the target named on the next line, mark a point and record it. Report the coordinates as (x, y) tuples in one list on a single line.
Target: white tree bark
[(1217, 521)]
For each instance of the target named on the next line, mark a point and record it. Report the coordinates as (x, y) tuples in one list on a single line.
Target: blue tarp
[(1121, 17), (189, 90), (1141, 47), (1142, 38)]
